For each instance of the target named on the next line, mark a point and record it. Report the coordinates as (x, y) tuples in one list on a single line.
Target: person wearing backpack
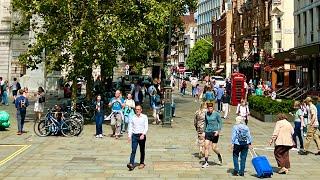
[(243, 110), (21, 104), (241, 142)]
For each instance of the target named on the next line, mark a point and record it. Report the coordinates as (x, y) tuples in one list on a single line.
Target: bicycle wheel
[(42, 128), (78, 116), (67, 128), (78, 127)]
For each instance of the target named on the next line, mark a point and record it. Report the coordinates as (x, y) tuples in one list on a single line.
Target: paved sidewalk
[(170, 153)]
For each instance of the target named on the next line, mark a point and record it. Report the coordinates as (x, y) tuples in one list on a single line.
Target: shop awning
[(293, 54)]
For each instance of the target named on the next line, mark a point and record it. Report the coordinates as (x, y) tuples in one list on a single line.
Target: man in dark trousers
[(138, 128), (21, 104)]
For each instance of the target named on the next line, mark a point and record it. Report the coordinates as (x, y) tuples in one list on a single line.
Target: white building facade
[(282, 25), (207, 11)]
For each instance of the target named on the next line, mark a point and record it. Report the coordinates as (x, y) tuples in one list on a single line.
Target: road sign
[(127, 72), (127, 67)]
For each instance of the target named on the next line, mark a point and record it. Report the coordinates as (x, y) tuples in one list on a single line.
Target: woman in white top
[(128, 111), (243, 110), (39, 104)]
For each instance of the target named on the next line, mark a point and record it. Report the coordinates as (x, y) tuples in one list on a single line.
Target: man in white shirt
[(312, 129), (138, 128)]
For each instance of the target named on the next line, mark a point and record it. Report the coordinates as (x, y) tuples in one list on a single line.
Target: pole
[(170, 29)]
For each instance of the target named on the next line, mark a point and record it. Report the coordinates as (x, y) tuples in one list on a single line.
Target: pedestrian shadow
[(211, 163)]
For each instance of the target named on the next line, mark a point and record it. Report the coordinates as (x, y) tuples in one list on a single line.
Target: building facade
[(221, 38), (207, 11), (251, 36), (305, 56)]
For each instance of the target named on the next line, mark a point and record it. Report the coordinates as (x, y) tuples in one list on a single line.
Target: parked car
[(186, 75), (219, 80)]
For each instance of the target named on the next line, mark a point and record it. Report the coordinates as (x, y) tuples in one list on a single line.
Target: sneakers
[(99, 136), (205, 165), (241, 174), (302, 152), (220, 158)]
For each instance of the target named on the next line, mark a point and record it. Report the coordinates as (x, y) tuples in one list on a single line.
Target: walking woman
[(298, 125), (212, 127), (243, 110), (128, 111), (39, 103), (99, 114), (282, 138)]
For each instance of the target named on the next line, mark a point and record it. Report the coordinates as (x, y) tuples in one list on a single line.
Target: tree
[(200, 55), (77, 34)]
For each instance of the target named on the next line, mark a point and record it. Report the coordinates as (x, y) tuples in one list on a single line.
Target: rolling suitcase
[(261, 165)]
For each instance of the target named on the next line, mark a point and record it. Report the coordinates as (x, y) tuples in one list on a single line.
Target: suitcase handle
[(253, 153)]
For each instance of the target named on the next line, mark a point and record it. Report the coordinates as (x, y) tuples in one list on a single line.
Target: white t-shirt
[(243, 110), (314, 112)]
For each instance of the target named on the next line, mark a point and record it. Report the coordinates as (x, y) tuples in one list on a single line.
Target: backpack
[(242, 135), (157, 99)]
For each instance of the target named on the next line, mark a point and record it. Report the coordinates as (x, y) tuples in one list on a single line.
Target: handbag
[(42, 99)]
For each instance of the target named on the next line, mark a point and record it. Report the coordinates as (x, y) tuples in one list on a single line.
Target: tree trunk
[(89, 84), (74, 93)]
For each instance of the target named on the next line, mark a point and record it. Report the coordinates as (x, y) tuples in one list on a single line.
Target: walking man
[(312, 129), (116, 104), (138, 128), (199, 121), (213, 125), (21, 104), (220, 92), (241, 142)]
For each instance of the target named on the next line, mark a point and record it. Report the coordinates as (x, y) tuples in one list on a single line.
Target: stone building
[(305, 56)]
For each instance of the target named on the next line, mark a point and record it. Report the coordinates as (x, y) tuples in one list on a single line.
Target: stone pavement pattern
[(170, 153)]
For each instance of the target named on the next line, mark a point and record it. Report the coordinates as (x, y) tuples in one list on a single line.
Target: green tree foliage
[(199, 55), (76, 34)]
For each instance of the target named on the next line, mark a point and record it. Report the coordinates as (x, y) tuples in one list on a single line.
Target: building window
[(279, 46), (311, 17), (278, 23)]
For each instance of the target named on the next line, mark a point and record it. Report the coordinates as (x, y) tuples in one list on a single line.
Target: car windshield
[(218, 78)]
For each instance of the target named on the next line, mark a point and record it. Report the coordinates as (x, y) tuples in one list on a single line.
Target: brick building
[(221, 38), (251, 33)]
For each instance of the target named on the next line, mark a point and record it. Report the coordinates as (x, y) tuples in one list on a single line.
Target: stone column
[(267, 12)]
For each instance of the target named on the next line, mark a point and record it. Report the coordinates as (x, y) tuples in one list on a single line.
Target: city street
[(170, 153)]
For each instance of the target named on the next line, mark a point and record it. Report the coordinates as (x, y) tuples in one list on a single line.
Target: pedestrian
[(183, 87), (298, 125), (15, 87), (219, 93), (26, 92), (196, 93), (1, 90), (241, 142), (199, 121), (5, 93), (39, 103), (313, 131), (151, 89), (318, 109), (156, 106), (306, 112), (128, 111), (138, 128), (209, 94), (194, 83), (213, 125), (138, 95), (21, 105), (243, 110), (283, 141), (99, 105), (116, 103), (225, 104)]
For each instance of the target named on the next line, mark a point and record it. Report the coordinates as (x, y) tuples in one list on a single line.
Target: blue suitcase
[(261, 165)]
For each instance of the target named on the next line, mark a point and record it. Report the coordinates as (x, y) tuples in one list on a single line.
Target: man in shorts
[(213, 125), (116, 104)]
